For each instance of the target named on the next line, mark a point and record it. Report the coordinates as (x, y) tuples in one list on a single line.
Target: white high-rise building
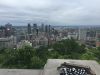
[(82, 34)]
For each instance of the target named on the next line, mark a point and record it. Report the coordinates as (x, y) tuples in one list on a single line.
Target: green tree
[(36, 63), (42, 52), (68, 46), (20, 58)]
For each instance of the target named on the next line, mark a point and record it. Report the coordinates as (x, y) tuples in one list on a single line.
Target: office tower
[(29, 29), (46, 28), (34, 28), (90, 35), (37, 32), (13, 31), (2, 31), (82, 34), (8, 29), (42, 28), (49, 29), (98, 39)]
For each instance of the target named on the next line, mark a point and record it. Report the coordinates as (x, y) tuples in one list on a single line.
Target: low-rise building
[(8, 42)]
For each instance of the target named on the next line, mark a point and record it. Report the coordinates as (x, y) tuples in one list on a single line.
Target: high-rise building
[(37, 32), (2, 31), (46, 28), (49, 28), (42, 28), (82, 34), (98, 39), (90, 35), (34, 28), (29, 28), (8, 29)]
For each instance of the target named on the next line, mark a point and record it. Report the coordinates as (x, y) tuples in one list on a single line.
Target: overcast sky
[(55, 12)]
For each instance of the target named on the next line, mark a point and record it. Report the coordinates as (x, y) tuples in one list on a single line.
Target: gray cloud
[(57, 12)]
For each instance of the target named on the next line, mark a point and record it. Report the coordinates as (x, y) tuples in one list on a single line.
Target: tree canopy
[(35, 58)]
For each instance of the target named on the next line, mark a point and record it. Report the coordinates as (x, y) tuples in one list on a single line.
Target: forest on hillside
[(35, 58)]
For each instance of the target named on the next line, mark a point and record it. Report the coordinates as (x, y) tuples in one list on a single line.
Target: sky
[(55, 12)]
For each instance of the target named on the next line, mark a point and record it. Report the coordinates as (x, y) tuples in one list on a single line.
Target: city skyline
[(55, 12)]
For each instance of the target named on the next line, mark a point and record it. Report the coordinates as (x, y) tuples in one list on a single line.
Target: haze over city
[(55, 12), (49, 37)]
